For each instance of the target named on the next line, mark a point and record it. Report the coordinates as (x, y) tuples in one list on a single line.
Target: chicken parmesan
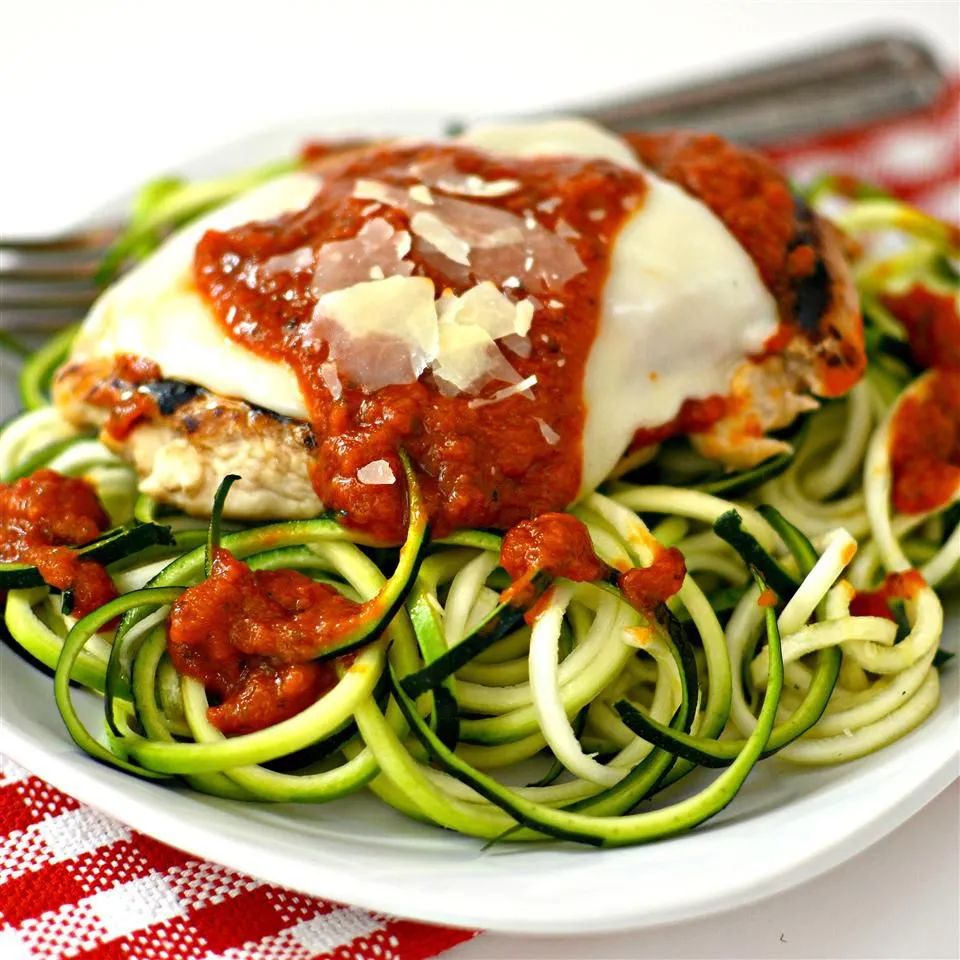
[(401, 462), (516, 308)]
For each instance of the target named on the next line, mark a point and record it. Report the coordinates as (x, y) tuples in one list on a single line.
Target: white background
[(99, 96)]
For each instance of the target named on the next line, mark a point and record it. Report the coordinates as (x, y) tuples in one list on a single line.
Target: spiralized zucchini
[(595, 707)]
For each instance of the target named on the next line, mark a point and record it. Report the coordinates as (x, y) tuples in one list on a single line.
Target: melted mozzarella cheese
[(551, 138), (683, 304), (156, 311)]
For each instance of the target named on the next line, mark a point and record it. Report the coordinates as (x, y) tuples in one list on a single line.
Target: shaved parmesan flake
[(331, 379), (473, 186), (487, 307), (402, 242), (496, 244), (524, 316), (376, 473), (421, 194), (379, 332), (521, 346), (431, 228), (468, 359), (377, 251), (293, 262), (549, 434), (443, 174), (372, 190), (522, 388)]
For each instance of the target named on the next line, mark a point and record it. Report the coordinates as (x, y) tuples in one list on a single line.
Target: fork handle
[(853, 83)]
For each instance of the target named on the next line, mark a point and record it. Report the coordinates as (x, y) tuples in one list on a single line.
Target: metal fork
[(46, 283)]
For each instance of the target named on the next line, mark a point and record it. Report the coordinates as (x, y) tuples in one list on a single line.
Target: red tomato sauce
[(41, 517), (479, 465), (768, 598), (250, 637), (647, 587), (557, 544), (695, 416), (896, 586), (754, 201), (925, 433), (932, 323), (119, 394), (925, 443)]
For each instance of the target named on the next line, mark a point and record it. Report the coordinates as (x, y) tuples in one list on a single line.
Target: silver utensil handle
[(858, 82)]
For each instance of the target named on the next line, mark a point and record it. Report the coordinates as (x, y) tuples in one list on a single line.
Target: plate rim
[(76, 774)]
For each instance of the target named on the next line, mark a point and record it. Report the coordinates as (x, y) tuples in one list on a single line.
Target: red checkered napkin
[(916, 157), (74, 883)]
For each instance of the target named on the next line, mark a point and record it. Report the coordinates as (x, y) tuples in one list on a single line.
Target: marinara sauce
[(251, 636), (557, 544), (120, 393), (480, 465), (647, 587), (754, 200), (41, 518), (896, 586), (925, 432)]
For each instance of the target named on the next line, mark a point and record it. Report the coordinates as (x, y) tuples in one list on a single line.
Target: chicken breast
[(717, 284)]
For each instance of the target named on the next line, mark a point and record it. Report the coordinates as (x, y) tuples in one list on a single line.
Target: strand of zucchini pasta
[(460, 709)]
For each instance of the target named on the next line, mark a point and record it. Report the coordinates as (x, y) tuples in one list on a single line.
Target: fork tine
[(38, 321), (80, 272), (47, 300), (96, 238)]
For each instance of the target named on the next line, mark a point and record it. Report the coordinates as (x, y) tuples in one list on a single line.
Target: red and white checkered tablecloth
[(74, 883)]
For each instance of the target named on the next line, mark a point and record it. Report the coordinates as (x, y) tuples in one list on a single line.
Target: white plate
[(786, 826)]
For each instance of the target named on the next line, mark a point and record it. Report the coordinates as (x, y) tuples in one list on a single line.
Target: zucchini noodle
[(593, 706)]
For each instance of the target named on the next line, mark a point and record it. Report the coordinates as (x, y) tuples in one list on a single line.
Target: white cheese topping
[(682, 307), (376, 473), (156, 311), (558, 138)]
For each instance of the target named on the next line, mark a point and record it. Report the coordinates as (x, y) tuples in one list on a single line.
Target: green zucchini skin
[(503, 619), (44, 455), (721, 753), (796, 541), (73, 646), (608, 830), (745, 481), (729, 527), (114, 545), (39, 367)]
